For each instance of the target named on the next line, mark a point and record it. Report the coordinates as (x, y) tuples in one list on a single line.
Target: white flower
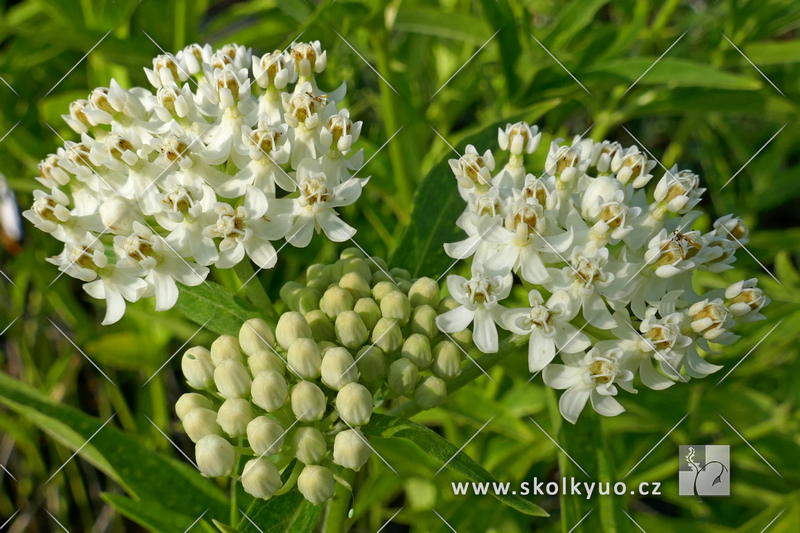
[(548, 326), (519, 138), (591, 376), (630, 165), (746, 300), (473, 171), (479, 298), (585, 279), (679, 191), (567, 163)]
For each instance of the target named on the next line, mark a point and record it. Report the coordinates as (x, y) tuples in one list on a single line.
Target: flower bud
[(232, 379), (256, 336), (289, 293), (215, 456), (234, 415), (309, 445), (304, 358), (368, 310), (197, 368), (189, 401), (308, 402), (321, 326), (382, 288), (417, 349), (463, 338), (402, 377), (334, 272), (404, 285), (260, 478), (371, 363), (224, 348), (423, 321), (424, 291), (350, 330), (356, 285), (430, 392), (336, 300), (350, 449), (118, 215), (448, 303), (338, 368), (317, 277), (316, 484), (308, 300), (381, 276), (200, 422), (354, 404), (400, 273), (396, 306), (356, 265), (291, 326), (264, 361), (446, 360), (350, 253), (387, 335), (270, 391), (265, 436), (377, 264)]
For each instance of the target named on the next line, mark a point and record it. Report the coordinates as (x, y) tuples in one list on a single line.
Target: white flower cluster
[(231, 153), (353, 337), (596, 254)]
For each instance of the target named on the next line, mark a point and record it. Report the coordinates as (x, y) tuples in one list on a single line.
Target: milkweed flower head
[(227, 153), (607, 267)]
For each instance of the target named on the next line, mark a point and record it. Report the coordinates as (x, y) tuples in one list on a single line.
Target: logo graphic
[(704, 471)]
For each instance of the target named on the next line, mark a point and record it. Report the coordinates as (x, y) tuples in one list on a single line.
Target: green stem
[(254, 289), (339, 507), (233, 515), (468, 373)]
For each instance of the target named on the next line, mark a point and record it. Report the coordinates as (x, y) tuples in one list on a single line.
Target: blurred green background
[(703, 105)]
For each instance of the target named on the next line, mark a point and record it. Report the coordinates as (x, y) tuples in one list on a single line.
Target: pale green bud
[(350, 449), (189, 401), (215, 456), (316, 273), (350, 330), (270, 391), (377, 264), (382, 288), (387, 335), (424, 291), (308, 300), (304, 358), (260, 478), (446, 360), (292, 326), (371, 363), (463, 338), (265, 436), (356, 265), (336, 300), (423, 321), (430, 392), (402, 377), (197, 368), (352, 252), (324, 346), (232, 379), (404, 285), (289, 294), (356, 285), (316, 484), (380, 276), (320, 283), (256, 336), (309, 445), (264, 361), (234, 415), (417, 349), (354, 404), (224, 348), (368, 310), (321, 326), (200, 422), (395, 305), (338, 368), (448, 303), (308, 402), (400, 273), (335, 272)]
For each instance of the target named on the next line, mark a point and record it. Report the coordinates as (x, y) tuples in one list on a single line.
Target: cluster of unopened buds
[(598, 257), (231, 153), (355, 336)]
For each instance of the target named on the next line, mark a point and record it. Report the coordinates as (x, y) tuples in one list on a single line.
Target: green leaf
[(222, 311), (224, 528), (771, 53), (154, 516), (668, 71), (429, 21), (145, 475), (437, 205), (441, 449), (287, 513)]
